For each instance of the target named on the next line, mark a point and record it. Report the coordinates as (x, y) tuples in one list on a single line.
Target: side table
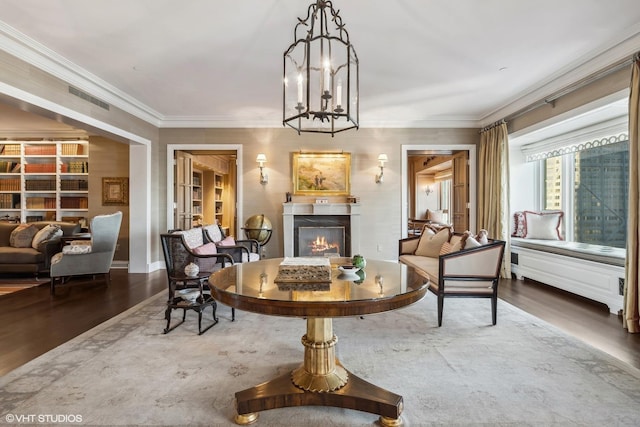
[(189, 293)]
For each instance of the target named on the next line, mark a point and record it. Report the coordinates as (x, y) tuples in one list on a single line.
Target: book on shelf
[(74, 184), (75, 167), (71, 149), (40, 185), (74, 203), (41, 202), (9, 166), (10, 184), (40, 168), (40, 150), (10, 150)]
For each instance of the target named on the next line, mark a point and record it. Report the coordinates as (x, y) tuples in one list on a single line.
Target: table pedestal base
[(320, 381)]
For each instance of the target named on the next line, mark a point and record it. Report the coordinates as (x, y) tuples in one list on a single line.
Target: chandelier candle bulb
[(327, 75), (339, 93), (299, 88)]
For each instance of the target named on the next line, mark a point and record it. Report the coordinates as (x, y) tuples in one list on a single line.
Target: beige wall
[(382, 206), (381, 213), (108, 159)]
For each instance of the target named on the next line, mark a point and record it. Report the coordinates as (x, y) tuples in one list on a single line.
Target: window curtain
[(493, 188), (631, 316)]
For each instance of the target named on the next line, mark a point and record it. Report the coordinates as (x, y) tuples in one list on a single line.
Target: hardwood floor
[(32, 323)]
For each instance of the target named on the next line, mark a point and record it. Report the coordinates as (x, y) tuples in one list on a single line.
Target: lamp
[(262, 159), (320, 85), (381, 159), (428, 190)]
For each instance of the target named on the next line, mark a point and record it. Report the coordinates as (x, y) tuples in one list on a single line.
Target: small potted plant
[(359, 261)]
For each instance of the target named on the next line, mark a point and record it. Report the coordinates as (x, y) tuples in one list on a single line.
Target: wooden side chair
[(190, 292)]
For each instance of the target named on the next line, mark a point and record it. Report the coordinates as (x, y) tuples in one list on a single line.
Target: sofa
[(27, 258), (455, 264)]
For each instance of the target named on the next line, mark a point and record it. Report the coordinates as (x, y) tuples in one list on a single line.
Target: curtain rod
[(617, 66), (491, 126)]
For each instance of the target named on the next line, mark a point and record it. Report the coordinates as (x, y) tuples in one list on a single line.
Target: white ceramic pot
[(191, 270)]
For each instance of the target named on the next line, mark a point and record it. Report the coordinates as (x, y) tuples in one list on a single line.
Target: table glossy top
[(381, 286)]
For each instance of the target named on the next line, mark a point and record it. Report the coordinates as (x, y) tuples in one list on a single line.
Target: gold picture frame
[(322, 174), (115, 191)]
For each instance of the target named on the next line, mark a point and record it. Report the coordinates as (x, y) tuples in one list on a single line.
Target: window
[(590, 185)]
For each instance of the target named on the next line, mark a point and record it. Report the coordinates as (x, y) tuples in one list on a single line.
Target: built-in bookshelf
[(196, 200), (43, 180)]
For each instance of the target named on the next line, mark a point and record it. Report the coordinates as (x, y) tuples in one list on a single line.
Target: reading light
[(262, 159), (381, 159)]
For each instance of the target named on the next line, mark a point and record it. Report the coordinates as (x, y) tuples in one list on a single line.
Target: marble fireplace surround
[(291, 210)]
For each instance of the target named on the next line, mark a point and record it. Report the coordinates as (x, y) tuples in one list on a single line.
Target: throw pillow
[(520, 225), (544, 226), (22, 236), (206, 249), (435, 216), (430, 244), (483, 237), (457, 241), (227, 241), (478, 240), (47, 232)]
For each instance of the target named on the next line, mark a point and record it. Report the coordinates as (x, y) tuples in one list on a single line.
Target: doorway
[(218, 195), (416, 183)]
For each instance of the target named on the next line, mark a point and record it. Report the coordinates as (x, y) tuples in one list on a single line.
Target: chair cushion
[(192, 237), (77, 247), (206, 249), (252, 257), (48, 232), (227, 241), (214, 233), (22, 236)]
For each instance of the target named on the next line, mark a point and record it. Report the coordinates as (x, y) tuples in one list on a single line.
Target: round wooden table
[(321, 379)]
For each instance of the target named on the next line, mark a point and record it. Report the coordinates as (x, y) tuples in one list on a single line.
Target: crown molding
[(211, 122), (36, 54)]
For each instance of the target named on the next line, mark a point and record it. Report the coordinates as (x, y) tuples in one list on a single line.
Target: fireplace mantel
[(290, 210)]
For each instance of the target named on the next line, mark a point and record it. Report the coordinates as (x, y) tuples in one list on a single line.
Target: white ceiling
[(423, 63)]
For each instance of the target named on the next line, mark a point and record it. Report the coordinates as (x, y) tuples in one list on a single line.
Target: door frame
[(404, 193), (172, 148)]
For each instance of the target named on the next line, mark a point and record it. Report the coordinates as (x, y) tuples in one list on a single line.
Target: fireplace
[(321, 229), (321, 241), (322, 235)]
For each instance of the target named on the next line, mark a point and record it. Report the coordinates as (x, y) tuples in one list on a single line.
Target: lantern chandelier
[(320, 87)]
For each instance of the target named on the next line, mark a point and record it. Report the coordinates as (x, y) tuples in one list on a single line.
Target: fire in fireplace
[(321, 241)]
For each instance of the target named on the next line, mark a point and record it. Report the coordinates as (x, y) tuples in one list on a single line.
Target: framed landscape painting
[(321, 174)]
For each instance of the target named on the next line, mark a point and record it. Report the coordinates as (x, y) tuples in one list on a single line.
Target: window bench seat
[(592, 271)]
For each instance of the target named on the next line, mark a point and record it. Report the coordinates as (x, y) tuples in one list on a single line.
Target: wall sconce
[(381, 159), (262, 159), (428, 190)]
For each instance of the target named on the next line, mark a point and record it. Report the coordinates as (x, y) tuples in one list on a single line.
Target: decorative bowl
[(349, 269)]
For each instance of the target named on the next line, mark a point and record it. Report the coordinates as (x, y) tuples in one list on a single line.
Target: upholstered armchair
[(89, 257), (246, 250)]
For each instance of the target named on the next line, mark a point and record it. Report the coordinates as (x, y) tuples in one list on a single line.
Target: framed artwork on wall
[(326, 174), (115, 191)]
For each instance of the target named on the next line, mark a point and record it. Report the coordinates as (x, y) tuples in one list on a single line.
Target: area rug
[(9, 285), (521, 372)]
